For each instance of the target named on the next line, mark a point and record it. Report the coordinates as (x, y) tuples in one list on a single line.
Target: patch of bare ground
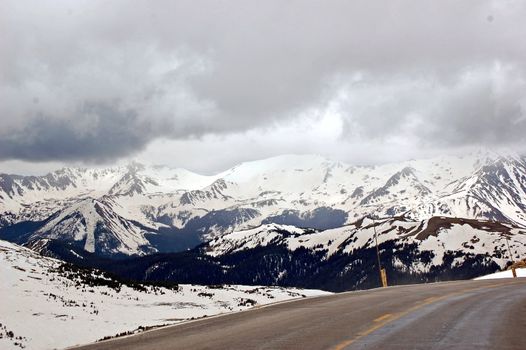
[(440, 222)]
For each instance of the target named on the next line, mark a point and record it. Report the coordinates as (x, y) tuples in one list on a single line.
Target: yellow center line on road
[(390, 317), (383, 318)]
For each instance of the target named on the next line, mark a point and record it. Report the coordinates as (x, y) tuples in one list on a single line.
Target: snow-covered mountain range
[(138, 209)]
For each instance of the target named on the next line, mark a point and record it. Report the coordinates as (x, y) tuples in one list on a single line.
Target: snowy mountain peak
[(403, 185), (96, 227), (131, 183)]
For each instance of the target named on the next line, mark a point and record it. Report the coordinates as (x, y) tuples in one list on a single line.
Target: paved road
[(455, 315)]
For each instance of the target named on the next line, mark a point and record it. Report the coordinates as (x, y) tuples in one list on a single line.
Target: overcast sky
[(206, 84)]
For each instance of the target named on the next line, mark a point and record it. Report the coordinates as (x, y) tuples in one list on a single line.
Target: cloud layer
[(98, 81)]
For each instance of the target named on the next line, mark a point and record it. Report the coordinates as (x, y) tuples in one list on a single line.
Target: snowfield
[(45, 306)]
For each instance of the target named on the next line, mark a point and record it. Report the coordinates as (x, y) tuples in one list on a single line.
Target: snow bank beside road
[(503, 274)]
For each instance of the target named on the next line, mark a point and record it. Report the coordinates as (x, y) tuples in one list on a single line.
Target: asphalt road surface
[(454, 315)]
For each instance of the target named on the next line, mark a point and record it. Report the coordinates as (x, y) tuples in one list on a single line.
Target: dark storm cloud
[(113, 135), (100, 80)]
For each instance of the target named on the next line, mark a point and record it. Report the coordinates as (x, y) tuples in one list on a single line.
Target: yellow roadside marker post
[(513, 272), (384, 278), (383, 274)]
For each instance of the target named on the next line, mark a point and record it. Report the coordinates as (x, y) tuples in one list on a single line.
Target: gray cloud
[(484, 105), (105, 134), (97, 81)]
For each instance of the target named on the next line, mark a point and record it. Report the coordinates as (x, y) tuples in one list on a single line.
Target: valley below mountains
[(302, 221)]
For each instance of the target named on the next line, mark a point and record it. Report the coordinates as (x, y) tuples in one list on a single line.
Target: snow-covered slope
[(438, 235), (46, 304), (305, 191)]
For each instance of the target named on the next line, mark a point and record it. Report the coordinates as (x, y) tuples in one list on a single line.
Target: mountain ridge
[(302, 190)]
